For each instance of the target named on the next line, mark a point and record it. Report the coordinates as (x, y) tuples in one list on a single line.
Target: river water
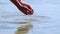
[(45, 20)]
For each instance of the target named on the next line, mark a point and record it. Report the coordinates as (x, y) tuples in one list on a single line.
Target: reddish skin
[(26, 9)]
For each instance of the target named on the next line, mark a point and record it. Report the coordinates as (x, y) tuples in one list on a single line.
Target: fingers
[(24, 8), (30, 12)]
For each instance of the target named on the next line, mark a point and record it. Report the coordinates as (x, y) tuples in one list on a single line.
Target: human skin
[(24, 8)]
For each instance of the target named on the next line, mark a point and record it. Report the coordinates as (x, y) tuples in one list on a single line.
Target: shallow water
[(45, 20)]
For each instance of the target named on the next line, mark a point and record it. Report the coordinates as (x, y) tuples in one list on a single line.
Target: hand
[(29, 9)]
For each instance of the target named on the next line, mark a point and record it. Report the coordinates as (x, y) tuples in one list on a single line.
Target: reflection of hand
[(24, 29)]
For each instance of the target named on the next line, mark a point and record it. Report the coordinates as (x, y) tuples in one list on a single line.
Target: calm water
[(45, 20)]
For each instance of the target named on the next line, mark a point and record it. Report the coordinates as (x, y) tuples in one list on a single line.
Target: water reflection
[(24, 29), (8, 17), (22, 19)]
